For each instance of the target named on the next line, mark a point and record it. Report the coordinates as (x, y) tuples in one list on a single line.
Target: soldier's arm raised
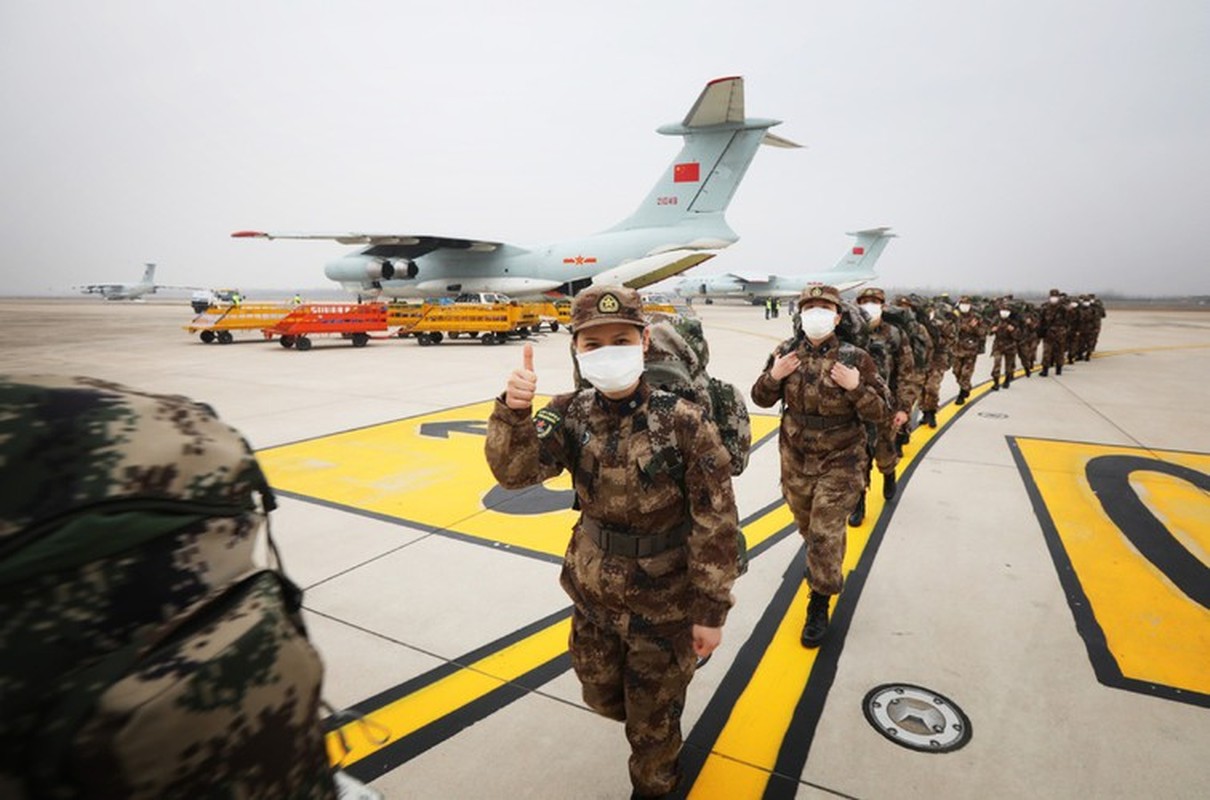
[(522, 450)]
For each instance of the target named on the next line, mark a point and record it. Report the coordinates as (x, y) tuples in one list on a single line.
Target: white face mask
[(964, 307), (612, 369), (1004, 313), (818, 323), (873, 310), (1054, 299)]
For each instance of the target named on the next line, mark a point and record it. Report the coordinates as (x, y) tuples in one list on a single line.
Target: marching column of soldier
[(847, 383)]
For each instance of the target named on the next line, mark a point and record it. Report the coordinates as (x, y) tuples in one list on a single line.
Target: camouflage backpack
[(915, 333), (676, 362), (142, 652)]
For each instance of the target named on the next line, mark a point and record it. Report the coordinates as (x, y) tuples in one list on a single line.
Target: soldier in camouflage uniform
[(124, 516), (942, 317), (654, 554), (970, 341), (828, 389), (892, 352), (1027, 343), (1004, 332), (1098, 314), (1053, 321)]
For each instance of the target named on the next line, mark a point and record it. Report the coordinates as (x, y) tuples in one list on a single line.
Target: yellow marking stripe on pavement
[(443, 697), (447, 695), (760, 718)]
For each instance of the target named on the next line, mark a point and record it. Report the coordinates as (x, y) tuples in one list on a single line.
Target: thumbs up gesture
[(523, 382)]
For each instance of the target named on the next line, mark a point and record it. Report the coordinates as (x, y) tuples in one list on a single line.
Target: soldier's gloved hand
[(846, 377), (706, 639), (783, 365), (522, 383)]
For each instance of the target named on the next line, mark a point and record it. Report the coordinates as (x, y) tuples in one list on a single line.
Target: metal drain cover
[(916, 718)]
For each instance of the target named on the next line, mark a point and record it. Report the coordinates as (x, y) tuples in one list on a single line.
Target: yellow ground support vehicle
[(216, 323), (491, 323), (554, 313)]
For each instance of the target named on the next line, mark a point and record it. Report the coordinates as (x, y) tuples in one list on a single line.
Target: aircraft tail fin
[(866, 249), (148, 274), (719, 144)]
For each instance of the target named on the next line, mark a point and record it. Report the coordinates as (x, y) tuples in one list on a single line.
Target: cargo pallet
[(491, 323), (216, 323), (352, 321)]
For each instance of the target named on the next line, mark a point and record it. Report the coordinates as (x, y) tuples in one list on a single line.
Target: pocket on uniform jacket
[(664, 564)]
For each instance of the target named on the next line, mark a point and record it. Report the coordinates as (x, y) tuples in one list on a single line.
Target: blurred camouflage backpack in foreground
[(676, 362), (142, 652)]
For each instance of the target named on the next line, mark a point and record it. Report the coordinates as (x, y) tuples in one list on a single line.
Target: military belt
[(617, 542), (822, 422)]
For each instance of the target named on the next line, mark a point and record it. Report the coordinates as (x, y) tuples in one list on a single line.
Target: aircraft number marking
[(666, 201)]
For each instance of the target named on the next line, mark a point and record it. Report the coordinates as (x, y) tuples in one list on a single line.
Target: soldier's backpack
[(676, 362), (143, 653), (913, 332)]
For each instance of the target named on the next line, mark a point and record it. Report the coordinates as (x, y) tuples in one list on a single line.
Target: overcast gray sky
[(1016, 144)]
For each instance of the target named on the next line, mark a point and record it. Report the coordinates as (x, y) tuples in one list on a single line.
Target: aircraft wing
[(402, 245)]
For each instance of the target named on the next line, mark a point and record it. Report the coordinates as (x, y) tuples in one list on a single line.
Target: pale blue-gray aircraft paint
[(853, 269), (125, 291), (678, 225)]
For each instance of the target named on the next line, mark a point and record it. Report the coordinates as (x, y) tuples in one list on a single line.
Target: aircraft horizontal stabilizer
[(778, 141), (752, 277)]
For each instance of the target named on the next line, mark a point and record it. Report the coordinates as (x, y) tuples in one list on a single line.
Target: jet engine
[(360, 269)]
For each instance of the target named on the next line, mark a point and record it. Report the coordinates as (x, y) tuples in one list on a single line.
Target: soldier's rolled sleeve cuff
[(710, 613), (510, 416)]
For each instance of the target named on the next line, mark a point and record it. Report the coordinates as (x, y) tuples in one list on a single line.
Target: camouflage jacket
[(645, 465), (1005, 333), (809, 393), (1052, 319), (892, 352), (970, 334)]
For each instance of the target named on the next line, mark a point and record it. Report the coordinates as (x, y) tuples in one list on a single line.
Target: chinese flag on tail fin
[(686, 173), (858, 251)]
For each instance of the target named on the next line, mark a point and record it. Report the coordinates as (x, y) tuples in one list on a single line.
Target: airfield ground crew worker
[(653, 555), (970, 339), (942, 318), (892, 353), (1053, 327), (1004, 333), (829, 390)]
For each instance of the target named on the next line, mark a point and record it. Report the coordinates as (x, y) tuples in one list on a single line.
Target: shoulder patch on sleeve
[(547, 421)]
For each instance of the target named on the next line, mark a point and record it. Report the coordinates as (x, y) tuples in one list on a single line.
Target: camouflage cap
[(819, 292), (605, 305), (1055, 293), (872, 294)]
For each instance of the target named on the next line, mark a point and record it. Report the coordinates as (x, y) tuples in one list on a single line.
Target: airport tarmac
[(1038, 592)]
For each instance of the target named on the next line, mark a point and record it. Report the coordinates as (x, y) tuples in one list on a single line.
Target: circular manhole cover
[(917, 718)]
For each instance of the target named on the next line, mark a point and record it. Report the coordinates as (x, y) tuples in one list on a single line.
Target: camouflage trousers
[(1054, 349), (1009, 359), (930, 399), (964, 368), (886, 456), (639, 679), (1027, 352), (821, 505)]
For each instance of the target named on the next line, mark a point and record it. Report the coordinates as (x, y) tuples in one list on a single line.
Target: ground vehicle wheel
[(225, 337), (554, 326), (206, 336), (436, 336), (360, 339), (454, 334), (423, 339), (488, 338), (302, 343), (286, 341), (474, 334), (524, 332)]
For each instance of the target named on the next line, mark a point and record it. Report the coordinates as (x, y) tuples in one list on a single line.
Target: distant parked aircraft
[(854, 268), (677, 226), (129, 291)]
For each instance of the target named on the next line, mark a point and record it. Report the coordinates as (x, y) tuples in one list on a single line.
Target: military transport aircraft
[(854, 268), (129, 291), (678, 225)]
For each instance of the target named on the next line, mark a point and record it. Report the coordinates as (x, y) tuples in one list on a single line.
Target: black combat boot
[(858, 515), (1029, 371), (995, 383), (1059, 368), (930, 418), (817, 619), (962, 395), (888, 485), (1008, 381), (1045, 371)]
